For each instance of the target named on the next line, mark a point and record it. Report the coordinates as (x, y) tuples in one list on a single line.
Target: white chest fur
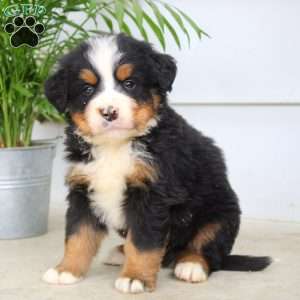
[(107, 175)]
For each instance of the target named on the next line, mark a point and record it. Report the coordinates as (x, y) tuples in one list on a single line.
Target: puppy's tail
[(245, 263)]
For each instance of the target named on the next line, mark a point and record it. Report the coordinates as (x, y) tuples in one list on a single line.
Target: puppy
[(139, 168)]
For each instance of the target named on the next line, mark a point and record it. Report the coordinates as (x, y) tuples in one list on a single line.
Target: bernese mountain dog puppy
[(139, 168)]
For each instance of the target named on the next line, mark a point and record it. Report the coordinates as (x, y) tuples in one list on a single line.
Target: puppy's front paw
[(129, 285), (53, 276), (190, 271)]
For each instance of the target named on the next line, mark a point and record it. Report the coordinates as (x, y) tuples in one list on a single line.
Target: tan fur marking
[(142, 265), (190, 256), (193, 252), (88, 76), (74, 178), (204, 236), (124, 71), (141, 173), (81, 122), (80, 249), (142, 114), (156, 101)]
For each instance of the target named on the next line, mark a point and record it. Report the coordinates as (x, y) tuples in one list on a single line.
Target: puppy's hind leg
[(192, 265)]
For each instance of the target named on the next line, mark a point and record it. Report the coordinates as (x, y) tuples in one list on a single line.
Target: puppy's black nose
[(110, 113)]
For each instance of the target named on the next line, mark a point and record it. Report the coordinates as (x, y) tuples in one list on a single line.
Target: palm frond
[(68, 22)]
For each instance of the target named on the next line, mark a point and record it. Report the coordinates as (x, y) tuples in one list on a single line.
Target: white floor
[(22, 262)]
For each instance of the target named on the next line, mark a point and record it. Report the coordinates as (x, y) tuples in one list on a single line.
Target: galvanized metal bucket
[(25, 179)]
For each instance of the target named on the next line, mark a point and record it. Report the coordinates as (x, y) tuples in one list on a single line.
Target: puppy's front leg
[(84, 234), (140, 268)]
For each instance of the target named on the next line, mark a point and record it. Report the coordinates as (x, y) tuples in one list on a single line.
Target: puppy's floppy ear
[(56, 90), (165, 69)]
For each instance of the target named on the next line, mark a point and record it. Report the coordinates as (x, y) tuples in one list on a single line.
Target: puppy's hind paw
[(53, 276), (190, 271)]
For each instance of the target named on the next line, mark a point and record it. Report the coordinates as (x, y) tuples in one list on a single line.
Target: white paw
[(115, 257), (128, 285), (52, 276), (189, 271)]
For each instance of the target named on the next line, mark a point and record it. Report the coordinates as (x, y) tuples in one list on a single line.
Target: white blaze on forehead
[(104, 54)]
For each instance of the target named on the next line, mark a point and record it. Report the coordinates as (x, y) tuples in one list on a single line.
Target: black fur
[(192, 189), (245, 263), (56, 90), (64, 89), (159, 69), (79, 212)]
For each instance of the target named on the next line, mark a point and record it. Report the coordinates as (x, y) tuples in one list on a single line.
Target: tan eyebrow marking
[(124, 71), (88, 76)]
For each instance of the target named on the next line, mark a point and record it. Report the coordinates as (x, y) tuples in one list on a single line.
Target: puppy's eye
[(88, 90), (129, 84)]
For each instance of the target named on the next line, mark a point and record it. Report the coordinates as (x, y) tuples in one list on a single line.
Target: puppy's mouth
[(113, 126)]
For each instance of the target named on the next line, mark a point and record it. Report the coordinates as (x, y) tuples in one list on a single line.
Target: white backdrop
[(252, 57)]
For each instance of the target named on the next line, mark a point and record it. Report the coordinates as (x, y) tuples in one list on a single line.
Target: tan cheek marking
[(88, 76), (80, 248), (142, 265), (81, 122), (124, 71), (75, 178), (142, 114), (142, 172)]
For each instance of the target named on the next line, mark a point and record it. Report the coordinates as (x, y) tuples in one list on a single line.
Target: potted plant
[(34, 37)]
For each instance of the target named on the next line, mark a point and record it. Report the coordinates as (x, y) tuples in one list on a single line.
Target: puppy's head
[(112, 86)]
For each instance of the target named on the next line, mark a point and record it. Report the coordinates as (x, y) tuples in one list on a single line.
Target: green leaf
[(193, 24), (156, 30), (140, 28), (179, 21), (72, 9), (92, 4), (138, 12), (173, 32), (125, 28), (119, 12), (157, 14), (23, 91), (74, 25), (108, 22)]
